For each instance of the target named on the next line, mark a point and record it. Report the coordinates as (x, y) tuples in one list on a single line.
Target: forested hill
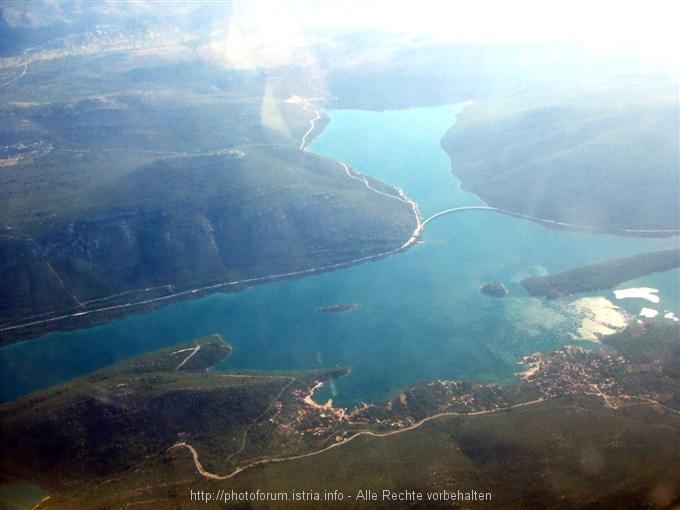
[(190, 222)]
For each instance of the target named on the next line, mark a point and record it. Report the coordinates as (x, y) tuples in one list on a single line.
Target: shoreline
[(36, 329), (179, 296)]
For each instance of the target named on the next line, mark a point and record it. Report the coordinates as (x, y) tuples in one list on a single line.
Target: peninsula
[(129, 424), (603, 275)]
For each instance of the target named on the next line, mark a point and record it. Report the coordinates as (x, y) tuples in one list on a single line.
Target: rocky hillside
[(190, 222)]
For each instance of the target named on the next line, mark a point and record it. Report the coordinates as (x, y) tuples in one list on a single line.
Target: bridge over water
[(544, 221)]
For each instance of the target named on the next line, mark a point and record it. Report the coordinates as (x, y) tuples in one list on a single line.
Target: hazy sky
[(647, 27)]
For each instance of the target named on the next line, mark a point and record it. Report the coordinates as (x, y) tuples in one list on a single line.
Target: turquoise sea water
[(19, 496), (420, 316)]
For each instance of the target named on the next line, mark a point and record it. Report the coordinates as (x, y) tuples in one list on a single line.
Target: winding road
[(212, 476), (202, 471), (417, 233), (256, 419), (352, 174), (312, 122)]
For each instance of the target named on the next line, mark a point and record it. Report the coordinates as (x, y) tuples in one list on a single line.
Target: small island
[(343, 307), (494, 289)]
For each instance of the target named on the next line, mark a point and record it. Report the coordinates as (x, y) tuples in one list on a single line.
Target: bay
[(420, 315)]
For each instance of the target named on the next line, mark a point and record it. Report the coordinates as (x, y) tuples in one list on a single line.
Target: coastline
[(20, 331)]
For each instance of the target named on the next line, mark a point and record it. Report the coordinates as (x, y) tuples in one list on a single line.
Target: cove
[(420, 315)]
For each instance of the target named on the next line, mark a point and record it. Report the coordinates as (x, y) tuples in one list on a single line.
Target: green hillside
[(601, 155)]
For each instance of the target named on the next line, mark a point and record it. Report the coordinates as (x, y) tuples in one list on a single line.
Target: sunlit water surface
[(420, 314)]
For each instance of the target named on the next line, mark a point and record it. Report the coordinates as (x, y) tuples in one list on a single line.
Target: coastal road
[(270, 460)]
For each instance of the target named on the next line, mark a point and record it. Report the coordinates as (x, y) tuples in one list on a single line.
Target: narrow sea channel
[(420, 314)]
